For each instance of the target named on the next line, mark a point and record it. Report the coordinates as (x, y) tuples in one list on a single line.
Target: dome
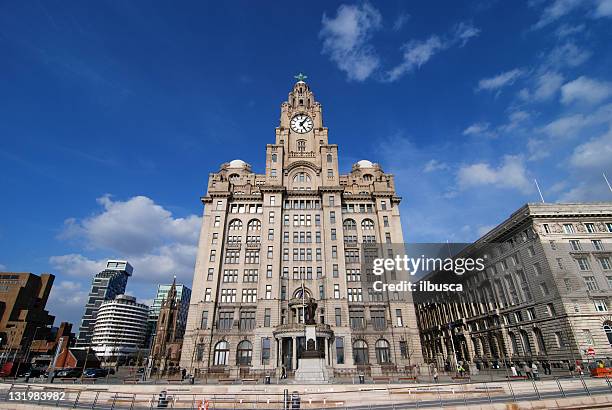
[(364, 163), (237, 163)]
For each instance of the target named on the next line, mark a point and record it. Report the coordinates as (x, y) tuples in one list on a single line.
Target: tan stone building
[(544, 295), (270, 242)]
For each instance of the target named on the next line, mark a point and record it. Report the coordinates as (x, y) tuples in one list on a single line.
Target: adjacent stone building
[(271, 242), (544, 294)]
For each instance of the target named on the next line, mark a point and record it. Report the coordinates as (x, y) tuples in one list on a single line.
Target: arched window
[(301, 145), (607, 328), (383, 354), (330, 158), (274, 157), (367, 224), (221, 353), (539, 338), (360, 352), (234, 177), (301, 177), (525, 342), (367, 177), (244, 353), (235, 225), (349, 225), (301, 290), (254, 225)]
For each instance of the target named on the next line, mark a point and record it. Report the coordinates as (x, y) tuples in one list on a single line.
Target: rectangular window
[(213, 254), (334, 252), (398, 315), (600, 305), (270, 252), (283, 292), (268, 271), (597, 245), (338, 315), (544, 289), (272, 200), (591, 283), (226, 320), (270, 234), (550, 309), (267, 317), (383, 205), (590, 227), (211, 272), (609, 226), (333, 234), (403, 349), (228, 295), (536, 269), (568, 228), (271, 217), (331, 199), (336, 291), (230, 275), (355, 295), (217, 221), (215, 238), (250, 275), (265, 350), (605, 263), (286, 220), (335, 270), (386, 221), (583, 264), (339, 350), (268, 291), (249, 295), (247, 320), (379, 322), (332, 217), (356, 319), (232, 256), (219, 205), (204, 322), (207, 295), (575, 244)]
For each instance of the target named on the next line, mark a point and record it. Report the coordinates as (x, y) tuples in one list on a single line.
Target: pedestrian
[(460, 369), (283, 372), (435, 375), (579, 369), (513, 370), (535, 371), (527, 370)]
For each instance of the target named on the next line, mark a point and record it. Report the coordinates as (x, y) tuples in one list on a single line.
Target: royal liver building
[(273, 243)]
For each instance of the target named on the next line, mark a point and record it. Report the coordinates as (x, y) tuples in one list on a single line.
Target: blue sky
[(113, 114)]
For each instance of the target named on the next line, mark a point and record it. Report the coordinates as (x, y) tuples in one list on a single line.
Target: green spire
[(300, 77)]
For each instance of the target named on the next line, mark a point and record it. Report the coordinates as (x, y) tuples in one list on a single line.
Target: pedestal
[(312, 370)]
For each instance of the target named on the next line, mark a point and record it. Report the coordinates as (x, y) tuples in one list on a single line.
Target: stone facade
[(544, 294), (271, 242)]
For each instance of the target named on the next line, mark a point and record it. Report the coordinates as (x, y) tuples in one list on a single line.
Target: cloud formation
[(499, 81), (511, 173), (155, 242), (346, 39), (585, 90)]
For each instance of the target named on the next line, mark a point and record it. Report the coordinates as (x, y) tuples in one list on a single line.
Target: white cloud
[(566, 55), (464, 32), (566, 30), (418, 52), (67, 300), (133, 226), (573, 125), (603, 8), (556, 10), (500, 80), (479, 128), (586, 90), (156, 243), (511, 173), (345, 39), (400, 21), (547, 85), (434, 165), (595, 153)]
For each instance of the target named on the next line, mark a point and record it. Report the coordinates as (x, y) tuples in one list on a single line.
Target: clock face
[(301, 123)]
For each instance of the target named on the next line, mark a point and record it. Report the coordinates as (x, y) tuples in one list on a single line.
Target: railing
[(358, 393)]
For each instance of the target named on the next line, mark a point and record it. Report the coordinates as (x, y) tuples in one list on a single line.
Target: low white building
[(120, 329)]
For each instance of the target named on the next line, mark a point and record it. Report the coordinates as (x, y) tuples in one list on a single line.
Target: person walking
[(283, 372), (435, 375), (513, 370), (535, 371), (527, 370)]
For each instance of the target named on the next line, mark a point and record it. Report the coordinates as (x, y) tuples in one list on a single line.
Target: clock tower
[(272, 244)]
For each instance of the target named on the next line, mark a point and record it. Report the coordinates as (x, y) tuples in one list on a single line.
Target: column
[(327, 351), (294, 357), (277, 351)]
